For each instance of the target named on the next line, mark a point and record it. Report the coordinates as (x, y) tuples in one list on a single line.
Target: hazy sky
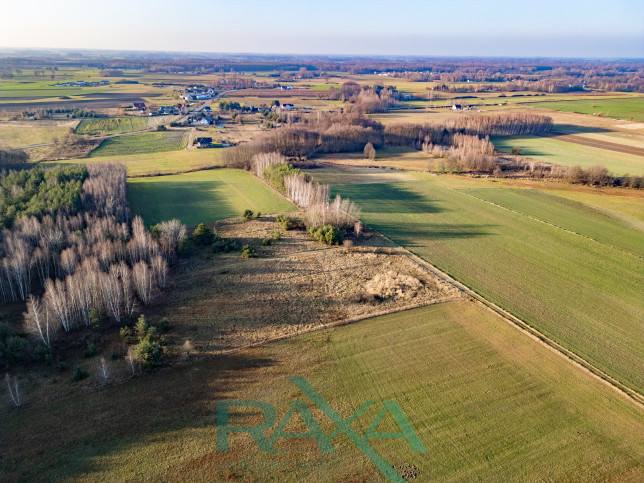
[(554, 28)]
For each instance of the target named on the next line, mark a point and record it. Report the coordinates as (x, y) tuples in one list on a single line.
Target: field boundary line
[(546, 222), (528, 329)]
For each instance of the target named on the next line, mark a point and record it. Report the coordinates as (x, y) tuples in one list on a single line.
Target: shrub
[(267, 241), (163, 325), (223, 245), (44, 354), (247, 252), (79, 374), (90, 350), (126, 335), (247, 215), (14, 348), (287, 222), (516, 150), (149, 352), (369, 151), (328, 234), (277, 235), (203, 235), (141, 328), (258, 214)]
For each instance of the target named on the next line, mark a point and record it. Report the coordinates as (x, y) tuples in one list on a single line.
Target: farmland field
[(14, 134), (585, 294), (149, 142), (565, 153), (631, 108), (487, 403), (202, 196), (115, 125), (165, 162)]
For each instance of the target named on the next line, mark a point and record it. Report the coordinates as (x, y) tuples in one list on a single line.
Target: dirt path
[(596, 143)]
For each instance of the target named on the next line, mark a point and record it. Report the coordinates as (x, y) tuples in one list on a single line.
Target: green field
[(565, 153), (114, 125), (585, 294), (631, 108), (167, 162), (202, 196), (487, 402), (149, 142)]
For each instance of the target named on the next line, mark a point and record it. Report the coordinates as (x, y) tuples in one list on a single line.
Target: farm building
[(203, 142), (456, 107), (139, 106)]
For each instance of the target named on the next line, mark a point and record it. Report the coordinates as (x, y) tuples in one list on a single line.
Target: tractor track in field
[(547, 223), (526, 328)]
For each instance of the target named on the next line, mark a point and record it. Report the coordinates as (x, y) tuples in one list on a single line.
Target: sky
[(509, 28)]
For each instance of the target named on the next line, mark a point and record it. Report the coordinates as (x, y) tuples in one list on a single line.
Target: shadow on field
[(192, 202), (413, 235), (84, 435), (371, 196)]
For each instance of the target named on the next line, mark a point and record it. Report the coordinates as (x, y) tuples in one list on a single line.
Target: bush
[(247, 215), (328, 234), (203, 235), (126, 335), (516, 150), (267, 241), (44, 354), (142, 327), (90, 350), (79, 374), (287, 222), (149, 352), (223, 245), (370, 152), (163, 325), (277, 235), (161, 127), (248, 252), (14, 348)]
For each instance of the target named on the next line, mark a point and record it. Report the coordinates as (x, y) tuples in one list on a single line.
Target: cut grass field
[(551, 150), (487, 402), (165, 162), (584, 294), (202, 196), (149, 142), (113, 125), (630, 108)]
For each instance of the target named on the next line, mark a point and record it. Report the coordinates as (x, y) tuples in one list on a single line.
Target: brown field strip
[(596, 143)]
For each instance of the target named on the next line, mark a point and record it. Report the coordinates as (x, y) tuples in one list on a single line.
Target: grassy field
[(14, 134), (202, 196), (487, 402), (631, 108), (570, 154), (585, 294), (167, 162), (149, 142), (114, 125)]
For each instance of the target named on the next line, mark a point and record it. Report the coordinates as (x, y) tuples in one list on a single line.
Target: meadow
[(14, 134), (149, 142), (113, 125), (535, 256), (551, 150), (165, 162), (630, 108), (486, 401), (202, 196)]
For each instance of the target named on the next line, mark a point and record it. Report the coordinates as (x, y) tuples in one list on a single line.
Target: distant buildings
[(139, 106), (203, 142), (81, 84)]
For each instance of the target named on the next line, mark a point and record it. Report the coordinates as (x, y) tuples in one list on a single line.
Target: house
[(203, 142), (456, 107), (207, 109), (139, 106), (204, 121), (288, 106)]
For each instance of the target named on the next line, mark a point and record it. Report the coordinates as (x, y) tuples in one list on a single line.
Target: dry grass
[(293, 286)]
